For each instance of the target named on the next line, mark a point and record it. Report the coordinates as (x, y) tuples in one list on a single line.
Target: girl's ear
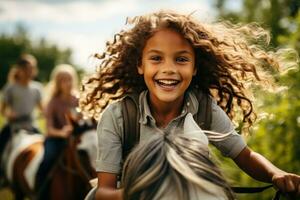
[(140, 70)]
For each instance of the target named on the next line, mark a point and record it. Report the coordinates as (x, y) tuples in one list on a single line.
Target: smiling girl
[(169, 59)]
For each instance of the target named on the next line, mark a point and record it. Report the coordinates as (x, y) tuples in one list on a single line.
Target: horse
[(70, 175), (173, 166)]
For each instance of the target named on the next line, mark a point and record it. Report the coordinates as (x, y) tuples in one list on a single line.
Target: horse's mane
[(173, 166)]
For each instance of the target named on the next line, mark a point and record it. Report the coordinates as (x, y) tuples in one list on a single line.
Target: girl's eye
[(182, 59), (155, 58)]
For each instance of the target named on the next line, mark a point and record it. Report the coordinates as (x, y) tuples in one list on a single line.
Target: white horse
[(174, 167), (24, 152)]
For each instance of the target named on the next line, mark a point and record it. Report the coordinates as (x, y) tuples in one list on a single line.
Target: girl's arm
[(64, 132), (109, 155), (261, 169), (5, 108), (107, 184), (6, 111)]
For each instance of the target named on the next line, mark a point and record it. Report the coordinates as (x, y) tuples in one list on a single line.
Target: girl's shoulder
[(114, 109), (111, 117), (7, 87)]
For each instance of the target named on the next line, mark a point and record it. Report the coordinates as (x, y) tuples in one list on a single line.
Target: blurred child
[(61, 99), (60, 102)]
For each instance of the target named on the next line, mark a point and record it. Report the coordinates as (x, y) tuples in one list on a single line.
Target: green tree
[(47, 54), (10, 49), (277, 16), (277, 135)]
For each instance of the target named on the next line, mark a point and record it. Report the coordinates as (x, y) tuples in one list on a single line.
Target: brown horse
[(68, 178)]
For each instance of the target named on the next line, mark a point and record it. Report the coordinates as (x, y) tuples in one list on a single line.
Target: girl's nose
[(169, 67)]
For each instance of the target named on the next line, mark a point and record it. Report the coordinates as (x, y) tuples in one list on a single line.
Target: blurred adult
[(21, 95)]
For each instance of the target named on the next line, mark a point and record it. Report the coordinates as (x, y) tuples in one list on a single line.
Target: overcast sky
[(85, 26)]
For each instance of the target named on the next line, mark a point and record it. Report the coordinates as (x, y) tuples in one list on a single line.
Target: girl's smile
[(167, 84), (167, 66)]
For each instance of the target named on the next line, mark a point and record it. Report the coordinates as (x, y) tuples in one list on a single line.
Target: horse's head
[(173, 166)]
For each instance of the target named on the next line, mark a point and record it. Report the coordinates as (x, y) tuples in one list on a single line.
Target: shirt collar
[(190, 106)]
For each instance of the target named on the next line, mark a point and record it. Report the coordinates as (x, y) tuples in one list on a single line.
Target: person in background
[(60, 102), (21, 95)]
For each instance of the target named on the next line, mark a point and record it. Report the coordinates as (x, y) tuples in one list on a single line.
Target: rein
[(251, 190)]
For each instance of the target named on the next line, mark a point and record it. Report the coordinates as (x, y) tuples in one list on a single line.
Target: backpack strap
[(204, 114), (131, 115)]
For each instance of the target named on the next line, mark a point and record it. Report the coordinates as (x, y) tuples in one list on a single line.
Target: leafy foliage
[(48, 55), (277, 134)]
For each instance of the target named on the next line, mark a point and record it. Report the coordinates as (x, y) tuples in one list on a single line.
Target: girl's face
[(64, 82), (25, 73), (168, 66)]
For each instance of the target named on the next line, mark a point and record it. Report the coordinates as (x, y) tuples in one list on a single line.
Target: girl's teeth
[(167, 82)]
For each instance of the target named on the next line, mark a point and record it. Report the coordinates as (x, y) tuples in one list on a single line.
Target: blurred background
[(66, 31)]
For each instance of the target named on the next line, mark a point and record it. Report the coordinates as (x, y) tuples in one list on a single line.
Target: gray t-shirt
[(110, 131), (22, 100)]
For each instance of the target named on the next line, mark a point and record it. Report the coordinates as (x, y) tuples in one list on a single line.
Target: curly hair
[(229, 59)]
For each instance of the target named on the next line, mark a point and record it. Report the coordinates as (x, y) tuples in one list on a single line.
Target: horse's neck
[(69, 172), (72, 162)]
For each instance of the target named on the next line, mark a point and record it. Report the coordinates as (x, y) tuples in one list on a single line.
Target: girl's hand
[(287, 183), (66, 131)]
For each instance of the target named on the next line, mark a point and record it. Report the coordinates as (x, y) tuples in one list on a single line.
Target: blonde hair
[(229, 59), (52, 88), (176, 166)]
